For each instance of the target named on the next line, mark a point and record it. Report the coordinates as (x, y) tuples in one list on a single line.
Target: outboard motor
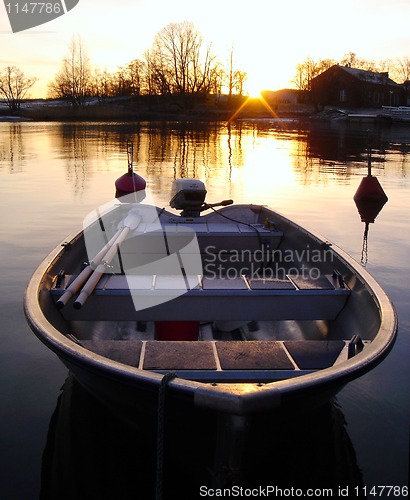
[(189, 195)]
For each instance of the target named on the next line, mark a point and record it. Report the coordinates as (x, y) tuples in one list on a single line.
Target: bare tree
[(353, 61), (235, 78), (121, 84), (101, 84), (136, 71), (178, 63), (401, 69), (217, 77), (309, 69), (14, 86), (240, 78), (304, 74), (73, 80), (230, 78), (129, 79), (157, 77)]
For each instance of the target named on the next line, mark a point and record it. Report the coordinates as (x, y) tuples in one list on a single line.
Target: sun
[(253, 90)]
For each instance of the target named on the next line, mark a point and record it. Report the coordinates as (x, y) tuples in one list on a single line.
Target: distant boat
[(279, 317), (396, 113)]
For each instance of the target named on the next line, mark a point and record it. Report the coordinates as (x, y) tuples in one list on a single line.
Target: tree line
[(177, 64)]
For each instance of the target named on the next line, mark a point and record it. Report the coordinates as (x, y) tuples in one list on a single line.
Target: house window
[(343, 95)]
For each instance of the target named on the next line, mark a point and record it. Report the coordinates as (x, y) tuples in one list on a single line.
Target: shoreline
[(140, 109), (112, 116), (137, 110)]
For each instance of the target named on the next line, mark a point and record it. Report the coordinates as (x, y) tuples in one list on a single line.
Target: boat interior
[(272, 301)]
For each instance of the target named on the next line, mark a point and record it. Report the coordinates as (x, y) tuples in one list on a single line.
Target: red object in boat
[(176, 330)]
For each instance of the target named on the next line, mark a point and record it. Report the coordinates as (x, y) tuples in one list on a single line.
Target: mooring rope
[(161, 432)]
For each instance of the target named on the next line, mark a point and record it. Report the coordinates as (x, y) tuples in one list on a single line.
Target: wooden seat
[(118, 297)]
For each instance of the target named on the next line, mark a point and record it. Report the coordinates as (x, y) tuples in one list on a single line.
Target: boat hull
[(129, 388)]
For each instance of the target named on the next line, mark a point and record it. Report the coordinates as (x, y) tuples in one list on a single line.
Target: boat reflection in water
[(92, 454)]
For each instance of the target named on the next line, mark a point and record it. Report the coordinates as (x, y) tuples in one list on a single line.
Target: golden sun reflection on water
[(267, 169)]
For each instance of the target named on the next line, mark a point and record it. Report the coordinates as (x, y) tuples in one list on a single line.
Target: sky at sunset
[(270, 37)]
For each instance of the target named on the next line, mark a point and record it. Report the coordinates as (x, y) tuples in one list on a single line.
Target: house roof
[(369, 76)]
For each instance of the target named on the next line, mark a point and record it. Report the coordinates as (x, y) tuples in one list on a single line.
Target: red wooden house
[(352, 87)]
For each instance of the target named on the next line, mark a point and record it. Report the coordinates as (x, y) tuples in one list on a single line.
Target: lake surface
[(53, 174)]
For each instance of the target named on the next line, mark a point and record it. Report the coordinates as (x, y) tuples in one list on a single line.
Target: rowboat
[(234, 308)]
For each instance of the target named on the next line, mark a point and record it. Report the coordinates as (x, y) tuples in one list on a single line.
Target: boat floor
[(234, 360)]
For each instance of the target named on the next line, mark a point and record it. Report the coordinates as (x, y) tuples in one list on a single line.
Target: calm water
[(52, 175)]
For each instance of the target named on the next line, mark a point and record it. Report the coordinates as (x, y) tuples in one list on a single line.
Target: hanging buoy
[(130, 182), (369, 199), (370, 189)]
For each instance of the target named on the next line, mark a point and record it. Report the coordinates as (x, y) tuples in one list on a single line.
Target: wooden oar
[(130, 223), (85, 273)]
